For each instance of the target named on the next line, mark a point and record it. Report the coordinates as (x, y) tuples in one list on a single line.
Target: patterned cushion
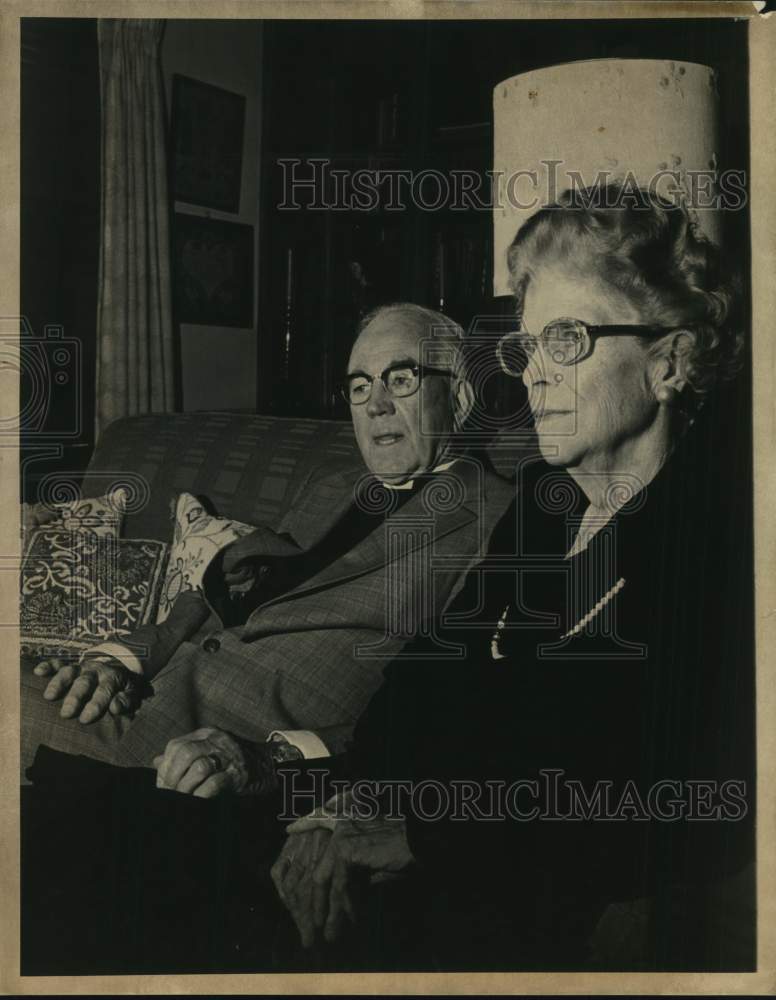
[(101, 515), (79, 588), (197, 538)]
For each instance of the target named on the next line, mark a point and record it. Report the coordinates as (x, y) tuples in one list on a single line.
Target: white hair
[(434, 327)]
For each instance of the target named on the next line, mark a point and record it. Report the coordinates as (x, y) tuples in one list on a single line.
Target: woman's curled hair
[(649, 250)]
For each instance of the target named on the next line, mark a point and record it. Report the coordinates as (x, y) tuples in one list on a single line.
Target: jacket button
[(211, 644)]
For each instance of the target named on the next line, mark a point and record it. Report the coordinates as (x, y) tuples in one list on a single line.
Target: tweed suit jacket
[(312, 657)]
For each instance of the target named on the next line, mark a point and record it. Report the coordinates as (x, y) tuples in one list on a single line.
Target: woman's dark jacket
[(657, 688)]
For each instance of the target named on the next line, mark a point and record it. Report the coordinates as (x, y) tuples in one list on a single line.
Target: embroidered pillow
[(197, 537), (79, 588), (101, 515)]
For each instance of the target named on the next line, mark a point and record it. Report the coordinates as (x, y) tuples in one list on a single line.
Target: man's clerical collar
[(410, 484)]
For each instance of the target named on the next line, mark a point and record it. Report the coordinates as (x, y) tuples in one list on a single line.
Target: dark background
[(362, 94), (60, 219)]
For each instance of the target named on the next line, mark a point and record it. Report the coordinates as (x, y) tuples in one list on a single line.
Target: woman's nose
[(540, 368), (380, 400), (545, 365)]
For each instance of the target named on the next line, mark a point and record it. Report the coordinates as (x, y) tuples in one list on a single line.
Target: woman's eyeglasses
[(399, 380), (565, 341)]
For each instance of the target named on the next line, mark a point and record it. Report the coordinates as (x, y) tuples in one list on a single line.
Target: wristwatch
[(281, 751)]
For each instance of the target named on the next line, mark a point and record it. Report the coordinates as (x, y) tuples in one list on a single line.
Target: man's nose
[(380, 400)]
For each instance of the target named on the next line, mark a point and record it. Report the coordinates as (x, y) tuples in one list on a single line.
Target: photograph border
[(762, 35)]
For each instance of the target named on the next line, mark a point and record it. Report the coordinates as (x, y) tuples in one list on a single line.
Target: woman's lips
[(383, 440)]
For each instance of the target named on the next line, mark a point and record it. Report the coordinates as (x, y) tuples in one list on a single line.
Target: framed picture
[(213, 271), (207, 136)]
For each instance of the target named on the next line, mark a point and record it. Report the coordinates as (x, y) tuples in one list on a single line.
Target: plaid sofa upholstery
[(249, 467)]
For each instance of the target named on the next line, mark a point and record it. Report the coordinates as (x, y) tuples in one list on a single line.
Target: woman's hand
[(322, 898), (91, 688), (210, 762), (292, 874)]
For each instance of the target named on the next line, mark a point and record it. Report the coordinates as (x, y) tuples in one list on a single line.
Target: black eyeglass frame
[(589, 331), (418, 370)]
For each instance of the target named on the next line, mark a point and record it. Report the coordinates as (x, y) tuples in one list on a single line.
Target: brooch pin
[(495, 652)]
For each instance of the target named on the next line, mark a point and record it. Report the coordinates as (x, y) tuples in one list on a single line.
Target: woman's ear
[(463, 401), (669, 375)]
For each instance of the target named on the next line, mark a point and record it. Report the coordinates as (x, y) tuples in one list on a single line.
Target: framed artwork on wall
[(213, 279), (207, 139)]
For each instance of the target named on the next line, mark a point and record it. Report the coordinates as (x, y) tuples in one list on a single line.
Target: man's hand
[(239, 573), (210, 762), (322, 898), (91, 688)]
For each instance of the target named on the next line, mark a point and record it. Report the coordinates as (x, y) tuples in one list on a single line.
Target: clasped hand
[(324, 861), (91, 688), (210, 762)]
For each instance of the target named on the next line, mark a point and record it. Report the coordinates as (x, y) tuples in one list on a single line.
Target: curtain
[(135, 356)]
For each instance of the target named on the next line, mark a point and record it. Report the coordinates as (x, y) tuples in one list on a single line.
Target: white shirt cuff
[(116, 651), (311, 746)]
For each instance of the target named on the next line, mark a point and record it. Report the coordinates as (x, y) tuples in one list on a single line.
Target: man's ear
[(669, 375), (463, 401)]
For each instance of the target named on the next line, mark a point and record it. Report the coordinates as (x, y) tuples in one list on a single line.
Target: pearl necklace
[(596, 609), (495, 651)]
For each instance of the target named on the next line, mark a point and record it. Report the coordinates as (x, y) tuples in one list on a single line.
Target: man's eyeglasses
[(566, 341), (399, 380)]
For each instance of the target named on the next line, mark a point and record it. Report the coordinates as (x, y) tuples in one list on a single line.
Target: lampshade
[(645, 121)]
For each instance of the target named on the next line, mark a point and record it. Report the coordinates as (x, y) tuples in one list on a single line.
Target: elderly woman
[(595, 743)]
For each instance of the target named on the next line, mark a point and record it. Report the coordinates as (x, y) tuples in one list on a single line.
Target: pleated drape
[(135, 354)]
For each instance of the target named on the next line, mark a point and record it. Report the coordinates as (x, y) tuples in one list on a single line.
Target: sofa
[(77, 589)]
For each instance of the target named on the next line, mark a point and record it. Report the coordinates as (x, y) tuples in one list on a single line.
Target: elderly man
[(360, 564)]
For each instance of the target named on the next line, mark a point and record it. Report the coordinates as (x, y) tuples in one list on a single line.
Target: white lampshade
[(648, 119)]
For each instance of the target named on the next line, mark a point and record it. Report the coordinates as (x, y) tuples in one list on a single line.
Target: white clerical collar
[(410, 484)]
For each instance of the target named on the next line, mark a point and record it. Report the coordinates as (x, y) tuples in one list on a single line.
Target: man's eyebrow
[(399, 363)]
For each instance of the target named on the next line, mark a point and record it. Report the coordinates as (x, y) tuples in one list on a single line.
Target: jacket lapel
[(421, 527)]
